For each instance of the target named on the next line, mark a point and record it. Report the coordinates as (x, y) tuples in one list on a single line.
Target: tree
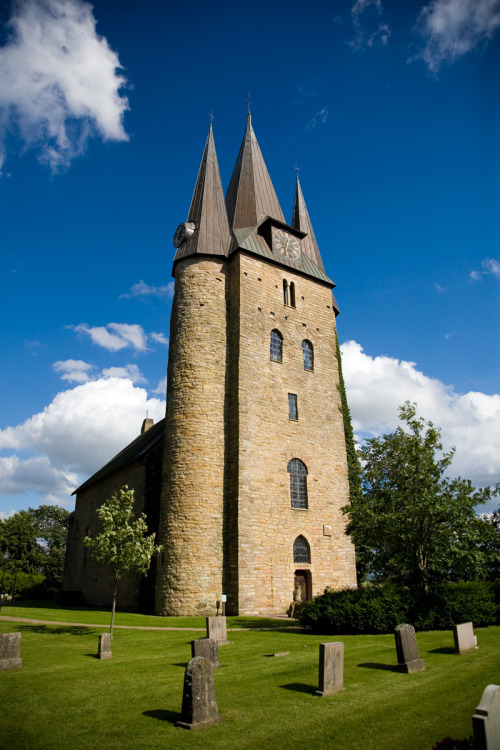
[(122, 544), (52, 534), (415, 525), (20, 543)]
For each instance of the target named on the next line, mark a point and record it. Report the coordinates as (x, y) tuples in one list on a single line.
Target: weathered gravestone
[(10, 651), (104, 646), (208, 648), (216, 629), (199, 707), (464, 637), (407, 650), (331, 668), (486, 720)]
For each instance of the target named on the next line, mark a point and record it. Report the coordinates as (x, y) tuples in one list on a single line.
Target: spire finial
[(249, 102), (211, 115), (297, 170)]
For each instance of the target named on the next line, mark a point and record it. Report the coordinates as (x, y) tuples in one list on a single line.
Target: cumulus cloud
[(55, 450), (131, 372), (377, 386), (319, 119), (59, 84), (143, 290), (369, 31), (74, 370), (452, 28), (491, 267), (115, 336)]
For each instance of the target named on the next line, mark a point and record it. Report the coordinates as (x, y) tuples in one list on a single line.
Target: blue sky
[(390, 110)]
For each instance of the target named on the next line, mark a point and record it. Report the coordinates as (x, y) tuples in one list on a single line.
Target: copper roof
[(251, 195), (252, 241), (302, 221), (208, 209)]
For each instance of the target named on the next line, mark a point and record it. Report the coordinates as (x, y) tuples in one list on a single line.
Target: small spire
[(302, 222)]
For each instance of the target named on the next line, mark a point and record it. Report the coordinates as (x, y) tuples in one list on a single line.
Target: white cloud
[(142, 290), (161, 388), (4, 516), (75, 435), (368, 30), (452, 28), (159, 338), (59, 84), (74, 370), (319, 118), (491, 267), (131, 372), (377, 386), (115, 336)]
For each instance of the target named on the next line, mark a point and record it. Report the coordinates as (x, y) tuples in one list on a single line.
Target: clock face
[(183, 232), (286, 244)]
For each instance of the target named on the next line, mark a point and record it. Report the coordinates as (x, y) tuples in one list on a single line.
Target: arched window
[(308, 354), (301, 550), (276, 345), (298, 483), (292, 294), (285, 292)]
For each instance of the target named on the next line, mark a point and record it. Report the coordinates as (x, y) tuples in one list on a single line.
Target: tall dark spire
[(302, 222), (208, 209), (251, 195)]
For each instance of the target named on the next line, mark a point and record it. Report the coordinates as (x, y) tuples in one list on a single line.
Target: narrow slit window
[(285, 292), (292, 294), (276, 350), (292, 406)]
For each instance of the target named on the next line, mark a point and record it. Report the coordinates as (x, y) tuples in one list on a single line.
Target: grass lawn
[(63, 697)]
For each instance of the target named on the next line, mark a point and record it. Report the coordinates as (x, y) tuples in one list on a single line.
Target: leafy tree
[(52, 534), (122, 544), (20, 543), (415, 525)]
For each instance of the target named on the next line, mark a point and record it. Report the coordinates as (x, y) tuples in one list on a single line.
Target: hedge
[(378, 608)]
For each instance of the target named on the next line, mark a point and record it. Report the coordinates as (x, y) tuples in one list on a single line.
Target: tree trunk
[(115, 588), (14, 585)]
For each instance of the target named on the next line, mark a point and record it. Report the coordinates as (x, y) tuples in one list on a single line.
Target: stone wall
[(191, 520), (82, 573), (264, 525)]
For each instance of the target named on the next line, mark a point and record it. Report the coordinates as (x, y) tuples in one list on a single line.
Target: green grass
[(64, 698), (102, 616)]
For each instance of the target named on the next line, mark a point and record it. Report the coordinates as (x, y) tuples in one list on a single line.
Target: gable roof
[(133, 452)]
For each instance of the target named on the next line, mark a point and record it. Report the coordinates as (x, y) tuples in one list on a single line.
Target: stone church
[(244, 480)]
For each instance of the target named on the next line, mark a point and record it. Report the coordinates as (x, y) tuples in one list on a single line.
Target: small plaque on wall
[(327, 530)]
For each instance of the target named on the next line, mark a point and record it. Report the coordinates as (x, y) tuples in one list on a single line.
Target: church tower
[(255, 468)]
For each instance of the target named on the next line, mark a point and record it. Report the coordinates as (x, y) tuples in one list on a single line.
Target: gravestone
[(409, 660), (199, 707), (331, 668), (464, 637), (104, 646), (208, 648), (486, 720), (216, 629), (10, 651)]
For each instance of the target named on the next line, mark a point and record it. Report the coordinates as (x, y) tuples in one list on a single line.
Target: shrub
[(451, 603), (371, 609), (378, 608)]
